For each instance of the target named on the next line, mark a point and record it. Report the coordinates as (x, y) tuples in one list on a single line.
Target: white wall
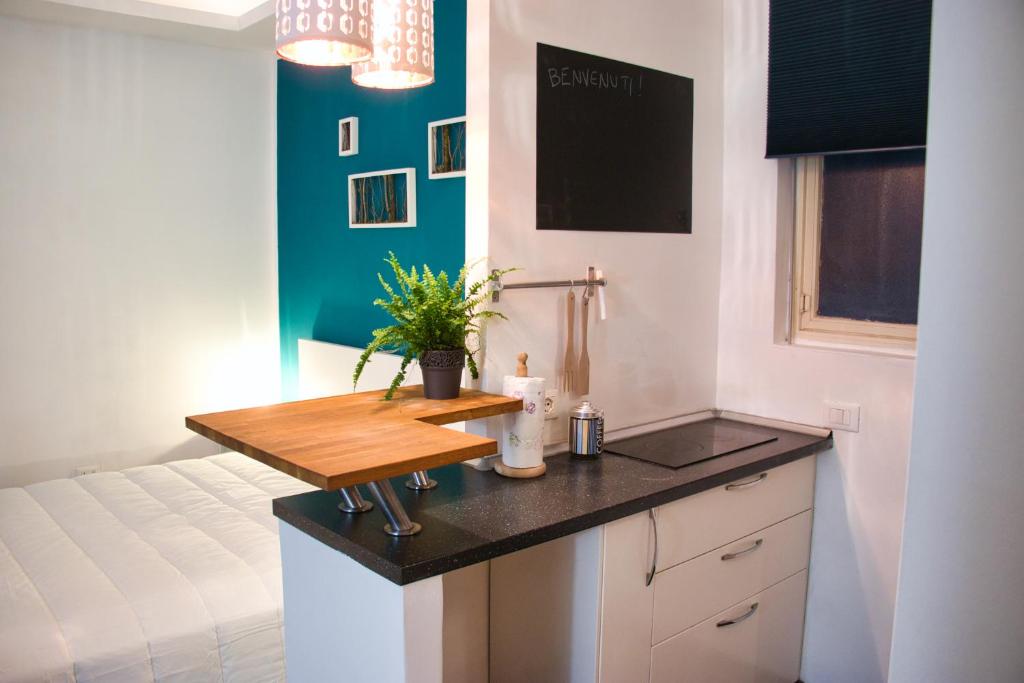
[(655, 355), (668, 335), (860, 487), (137, 245), (960, 606)]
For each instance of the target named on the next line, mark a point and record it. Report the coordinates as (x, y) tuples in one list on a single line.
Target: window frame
[(807, 327)]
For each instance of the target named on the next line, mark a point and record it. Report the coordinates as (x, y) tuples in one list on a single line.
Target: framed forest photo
[(348, 136), (382, 199), (446, 148)]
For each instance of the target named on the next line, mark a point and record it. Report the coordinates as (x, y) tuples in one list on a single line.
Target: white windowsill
[(868, 349)]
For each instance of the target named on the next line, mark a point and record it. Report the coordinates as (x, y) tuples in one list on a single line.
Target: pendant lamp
[(324, 32), (403, 46)]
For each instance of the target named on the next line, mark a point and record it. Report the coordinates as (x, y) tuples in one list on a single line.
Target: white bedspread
[(162, 573)]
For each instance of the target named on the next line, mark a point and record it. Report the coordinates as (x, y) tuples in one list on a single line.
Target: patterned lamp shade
[(403, 46), (324, 32)]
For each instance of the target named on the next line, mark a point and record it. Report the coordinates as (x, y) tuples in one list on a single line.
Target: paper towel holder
[(521, 472)]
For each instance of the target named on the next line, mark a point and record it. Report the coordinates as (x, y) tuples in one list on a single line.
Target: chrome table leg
[(419, 481), (399, 523), (352, 501)]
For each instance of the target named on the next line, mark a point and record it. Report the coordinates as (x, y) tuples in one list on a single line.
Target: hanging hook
[(588, 289)]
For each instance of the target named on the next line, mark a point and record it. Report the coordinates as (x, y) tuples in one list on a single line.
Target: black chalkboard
[(614, 145)]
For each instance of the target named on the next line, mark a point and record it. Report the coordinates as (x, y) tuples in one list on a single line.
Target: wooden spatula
[(583, 369), (569, 371)]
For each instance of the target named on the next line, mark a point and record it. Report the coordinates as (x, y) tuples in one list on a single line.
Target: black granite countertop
[(475, 515)]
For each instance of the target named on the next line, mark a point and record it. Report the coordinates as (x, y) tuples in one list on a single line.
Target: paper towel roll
[(523, 442)]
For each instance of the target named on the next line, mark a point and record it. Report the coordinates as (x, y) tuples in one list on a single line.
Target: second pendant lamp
[(403, 46)]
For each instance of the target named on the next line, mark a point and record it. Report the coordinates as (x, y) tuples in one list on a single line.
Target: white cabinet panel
[(627, 602), (692, 526), (693, 591), (763, 647), (545, 609)]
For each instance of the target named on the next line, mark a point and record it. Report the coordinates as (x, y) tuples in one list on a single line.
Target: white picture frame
[(352, 123), (432, 152), (410, 199)]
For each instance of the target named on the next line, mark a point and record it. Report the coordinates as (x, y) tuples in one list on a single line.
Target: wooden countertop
[(356, 438)]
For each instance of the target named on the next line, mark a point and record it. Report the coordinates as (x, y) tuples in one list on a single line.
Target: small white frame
[(430, 149), (353, 149), (410, 190)]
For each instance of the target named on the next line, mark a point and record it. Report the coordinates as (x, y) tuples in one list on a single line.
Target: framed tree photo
[(348, 136), (382, 199), (446, 148)]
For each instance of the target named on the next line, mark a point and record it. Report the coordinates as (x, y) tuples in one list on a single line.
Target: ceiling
[(229, 23)]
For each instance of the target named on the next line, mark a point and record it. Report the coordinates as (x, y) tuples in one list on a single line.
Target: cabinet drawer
[(693, 591), (763, 647), (692, 526)]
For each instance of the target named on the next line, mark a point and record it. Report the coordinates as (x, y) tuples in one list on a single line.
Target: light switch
[(844, 416)]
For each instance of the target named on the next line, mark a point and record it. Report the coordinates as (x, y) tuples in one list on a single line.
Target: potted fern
[(433, 318)]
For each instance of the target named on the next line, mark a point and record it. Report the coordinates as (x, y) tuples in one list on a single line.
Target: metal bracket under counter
[(398, 521)]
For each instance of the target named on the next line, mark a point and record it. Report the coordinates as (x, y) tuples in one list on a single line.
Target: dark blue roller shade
[(847, 75)]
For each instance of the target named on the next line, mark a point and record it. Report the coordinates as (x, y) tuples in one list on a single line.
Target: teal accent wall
[(328, 272)]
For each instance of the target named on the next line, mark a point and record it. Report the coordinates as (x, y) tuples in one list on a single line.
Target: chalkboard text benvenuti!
[(568, 77)]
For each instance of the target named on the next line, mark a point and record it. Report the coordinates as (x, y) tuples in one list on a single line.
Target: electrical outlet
[(551, 404), (85, 469), (843, 416)]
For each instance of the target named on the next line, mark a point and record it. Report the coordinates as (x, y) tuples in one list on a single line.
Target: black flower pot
[(442, 372)]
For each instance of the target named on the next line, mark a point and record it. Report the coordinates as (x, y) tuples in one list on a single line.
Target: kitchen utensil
[(602, 309), (569, 364), (583, 367), (586, 430)]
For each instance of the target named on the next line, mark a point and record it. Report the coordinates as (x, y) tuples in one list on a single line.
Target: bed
[(160, 573)]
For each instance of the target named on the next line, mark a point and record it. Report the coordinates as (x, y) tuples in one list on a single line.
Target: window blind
[(847, 75)]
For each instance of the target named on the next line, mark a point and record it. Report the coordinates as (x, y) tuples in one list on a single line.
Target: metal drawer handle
[(732, 556), (731, 622), (747, 484), (654, 560)]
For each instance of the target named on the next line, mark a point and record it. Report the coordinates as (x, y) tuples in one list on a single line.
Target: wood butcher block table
[(341, 441)]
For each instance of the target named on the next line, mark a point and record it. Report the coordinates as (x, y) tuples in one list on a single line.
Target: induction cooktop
[(688, 444)]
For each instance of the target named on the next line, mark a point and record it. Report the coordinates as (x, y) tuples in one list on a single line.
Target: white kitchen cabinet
[(627, 602), (696, 524), (754, 641), (616, 605), (716, 553), (693, 591)]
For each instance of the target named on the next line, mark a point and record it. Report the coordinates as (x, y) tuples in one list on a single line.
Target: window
[(857, 257)]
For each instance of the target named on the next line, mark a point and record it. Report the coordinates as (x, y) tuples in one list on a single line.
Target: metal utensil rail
[(498, 287)]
